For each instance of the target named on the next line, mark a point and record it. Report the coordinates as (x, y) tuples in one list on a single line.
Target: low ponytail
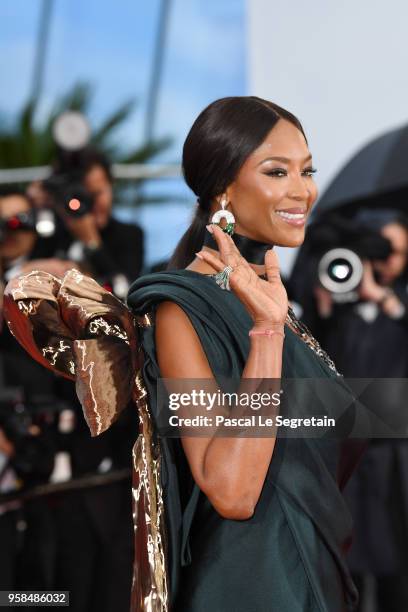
[(191, 241)]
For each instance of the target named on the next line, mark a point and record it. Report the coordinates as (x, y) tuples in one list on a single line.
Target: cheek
[(314, 192), (102, 203), (107, 198), (398, 262), (263, 193), (271, 190), (257, 200)]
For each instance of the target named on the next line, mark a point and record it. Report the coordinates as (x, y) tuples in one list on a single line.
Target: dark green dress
[(290, 555)]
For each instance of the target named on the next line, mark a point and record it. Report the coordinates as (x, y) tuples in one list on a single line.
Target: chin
[(291, 239), (297, 242)]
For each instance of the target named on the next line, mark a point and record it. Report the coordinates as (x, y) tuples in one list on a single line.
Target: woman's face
[(271, 198)]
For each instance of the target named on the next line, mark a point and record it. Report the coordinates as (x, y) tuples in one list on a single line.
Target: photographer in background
[(26, 438), (367, 337), (20, 245), (351, 332), (80, 191), (81, 539)]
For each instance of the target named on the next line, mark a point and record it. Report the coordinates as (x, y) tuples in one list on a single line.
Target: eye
[(280, 172), (277, 172), (309, 171)]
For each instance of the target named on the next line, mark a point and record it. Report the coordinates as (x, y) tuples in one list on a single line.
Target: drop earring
[(224, 214)]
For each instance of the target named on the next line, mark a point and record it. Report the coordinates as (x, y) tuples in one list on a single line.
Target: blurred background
[(96, 99), (139, 74)]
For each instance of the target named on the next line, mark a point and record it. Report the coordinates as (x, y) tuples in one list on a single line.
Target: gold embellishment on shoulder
[(144, 320), (100, 324), (92, 404), (150, 591), (140, 386), (51, 353), (28, 307), (147, 319), (19, 292)]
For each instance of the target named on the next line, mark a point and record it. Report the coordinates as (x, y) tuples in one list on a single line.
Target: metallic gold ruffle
[(78, 329)]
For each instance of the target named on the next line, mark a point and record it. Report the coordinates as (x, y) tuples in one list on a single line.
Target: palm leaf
[(112, 122), (147, 151), (25, 143)]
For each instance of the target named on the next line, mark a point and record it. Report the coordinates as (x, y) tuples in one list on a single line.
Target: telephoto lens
[(340, 270)]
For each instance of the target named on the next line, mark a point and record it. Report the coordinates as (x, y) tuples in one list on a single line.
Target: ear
[(229, 193)]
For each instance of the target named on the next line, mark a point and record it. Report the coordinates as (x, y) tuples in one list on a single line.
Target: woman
[(252, 524), (255, 524)]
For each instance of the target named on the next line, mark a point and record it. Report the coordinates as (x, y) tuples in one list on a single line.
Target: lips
[(294, 216), (297, 210)]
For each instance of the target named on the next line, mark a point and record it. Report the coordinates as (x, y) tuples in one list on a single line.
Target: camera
[(65, 187), (71, 133), (41, 221), (23, 221), (340, 244)]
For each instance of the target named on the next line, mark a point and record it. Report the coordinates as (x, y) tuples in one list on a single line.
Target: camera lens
[(340, 270)]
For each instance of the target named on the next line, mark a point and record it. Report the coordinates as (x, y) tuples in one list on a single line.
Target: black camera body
[(24, 221), (339, 245), (64, 187)]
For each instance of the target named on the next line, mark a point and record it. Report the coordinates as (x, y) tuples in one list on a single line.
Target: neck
[(252, 250)]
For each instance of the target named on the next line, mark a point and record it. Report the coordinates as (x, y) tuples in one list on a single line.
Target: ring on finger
[(222, 278)]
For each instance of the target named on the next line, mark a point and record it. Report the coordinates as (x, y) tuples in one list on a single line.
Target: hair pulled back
[(220, 140)]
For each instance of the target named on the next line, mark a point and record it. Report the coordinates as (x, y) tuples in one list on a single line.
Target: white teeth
[(287, 215)]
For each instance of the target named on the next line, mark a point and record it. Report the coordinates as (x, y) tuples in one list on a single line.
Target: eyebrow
[(285, 160)]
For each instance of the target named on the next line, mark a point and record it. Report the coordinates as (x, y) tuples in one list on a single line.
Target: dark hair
[(8, 191), (217, 145), (81, 162), (377, 218)]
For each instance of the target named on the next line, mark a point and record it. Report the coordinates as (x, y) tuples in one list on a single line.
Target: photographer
[(379, 315), (367, 336), (81, 193), (81, 539), (20, 245), (27, 445)]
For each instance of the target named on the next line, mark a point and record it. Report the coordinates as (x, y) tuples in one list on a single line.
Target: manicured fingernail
[(199, 256), (210, 228)]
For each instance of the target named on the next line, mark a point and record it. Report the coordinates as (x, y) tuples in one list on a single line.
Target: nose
[(298, 190)]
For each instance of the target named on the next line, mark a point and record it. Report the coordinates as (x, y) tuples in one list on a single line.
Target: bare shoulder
[(179, 350)]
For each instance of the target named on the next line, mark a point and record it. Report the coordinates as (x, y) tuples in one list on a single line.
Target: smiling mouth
[(293, 218)]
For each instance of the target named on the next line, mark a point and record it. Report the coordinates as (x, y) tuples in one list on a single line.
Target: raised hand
[(265, 300)]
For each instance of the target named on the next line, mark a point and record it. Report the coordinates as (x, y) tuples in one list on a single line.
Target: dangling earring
[(224, 214)]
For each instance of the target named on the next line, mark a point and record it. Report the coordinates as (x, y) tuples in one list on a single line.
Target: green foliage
[(27, 142)]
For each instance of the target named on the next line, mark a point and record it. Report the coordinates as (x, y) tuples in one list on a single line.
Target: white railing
[(120, 172)]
